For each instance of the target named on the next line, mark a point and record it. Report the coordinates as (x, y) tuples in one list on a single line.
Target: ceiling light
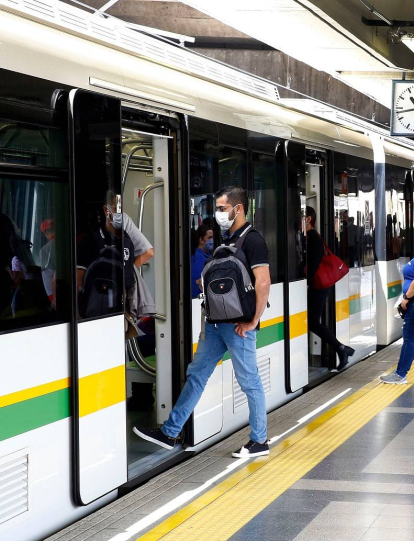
[(131, 92), (345, 143), (408, 41)]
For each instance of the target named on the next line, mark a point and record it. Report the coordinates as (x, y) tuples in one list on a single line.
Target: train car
[(96, 117)]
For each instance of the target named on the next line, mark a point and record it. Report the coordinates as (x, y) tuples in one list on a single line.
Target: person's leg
[(209, 352), (243, 355), (316, 302), (407, 350)]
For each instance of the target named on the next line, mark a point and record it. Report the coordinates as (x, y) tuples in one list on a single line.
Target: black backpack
[(229, 293), (101, 292)]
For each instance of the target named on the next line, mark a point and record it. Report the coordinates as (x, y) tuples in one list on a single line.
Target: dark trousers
[(316, 302)]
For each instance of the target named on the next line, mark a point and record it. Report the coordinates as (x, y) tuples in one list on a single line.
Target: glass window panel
[(398, 208), (268, 208), (35, 255), (354, 210), (296, 210), (31, 145), (102, 253)]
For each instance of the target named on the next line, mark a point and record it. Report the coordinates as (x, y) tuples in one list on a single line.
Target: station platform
[(341, 468)]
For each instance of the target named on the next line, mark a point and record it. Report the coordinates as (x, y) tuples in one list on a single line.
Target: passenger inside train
[(203, 247)]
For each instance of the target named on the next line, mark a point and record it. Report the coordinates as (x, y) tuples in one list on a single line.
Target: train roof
[(60, 42)]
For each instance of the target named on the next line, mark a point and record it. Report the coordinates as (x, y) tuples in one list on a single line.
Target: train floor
[(341, 468)]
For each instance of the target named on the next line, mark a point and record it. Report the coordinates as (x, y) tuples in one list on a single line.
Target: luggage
[(229, 293)]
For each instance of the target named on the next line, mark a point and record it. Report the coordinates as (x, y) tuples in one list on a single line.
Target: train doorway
[(146, 166), (321, 357)]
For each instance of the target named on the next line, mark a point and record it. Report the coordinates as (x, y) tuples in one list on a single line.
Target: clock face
[(402, 121)]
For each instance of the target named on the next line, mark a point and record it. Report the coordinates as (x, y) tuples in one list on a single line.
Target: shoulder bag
[(331, 269)]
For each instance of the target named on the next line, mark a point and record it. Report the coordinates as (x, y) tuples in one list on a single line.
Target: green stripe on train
[(394, 291), (360, 304), (34, 413), (266, 336)]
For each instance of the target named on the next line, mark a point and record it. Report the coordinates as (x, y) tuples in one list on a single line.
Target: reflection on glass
[(34, 281), (268, 208), (398, 208), (354, 210), (31, 145)]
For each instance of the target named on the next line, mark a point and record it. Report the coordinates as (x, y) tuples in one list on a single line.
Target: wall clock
[(402, 108)]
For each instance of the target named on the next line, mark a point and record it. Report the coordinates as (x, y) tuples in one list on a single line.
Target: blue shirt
[(198, 260), (408, 273)]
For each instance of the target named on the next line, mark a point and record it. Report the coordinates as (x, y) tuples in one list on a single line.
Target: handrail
[(148, 189), (128, 160), (139, 359)]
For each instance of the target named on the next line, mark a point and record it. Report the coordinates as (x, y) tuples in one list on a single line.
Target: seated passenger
[(204, 246), (99, 264)]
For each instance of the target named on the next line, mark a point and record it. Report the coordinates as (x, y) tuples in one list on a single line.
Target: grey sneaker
[(394, 378)]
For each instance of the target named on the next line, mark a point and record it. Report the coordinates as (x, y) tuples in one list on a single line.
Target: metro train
[(87, 105)]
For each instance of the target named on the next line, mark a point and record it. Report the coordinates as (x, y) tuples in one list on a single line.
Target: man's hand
[(242, 328), (404, 303)]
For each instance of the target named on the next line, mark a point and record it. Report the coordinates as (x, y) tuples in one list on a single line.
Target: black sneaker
[(251, 449), (155, 435), (343, 354)]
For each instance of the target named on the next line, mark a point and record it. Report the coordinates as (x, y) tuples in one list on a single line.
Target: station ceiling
[(365, 43)]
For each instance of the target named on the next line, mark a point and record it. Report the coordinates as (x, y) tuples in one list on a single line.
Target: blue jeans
[(219, 339), (407, 350)]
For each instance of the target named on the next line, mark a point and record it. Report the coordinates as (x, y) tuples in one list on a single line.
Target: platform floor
[(341, 468)]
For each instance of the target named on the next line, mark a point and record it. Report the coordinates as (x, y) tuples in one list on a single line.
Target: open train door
[(296, 305), (97, 335)]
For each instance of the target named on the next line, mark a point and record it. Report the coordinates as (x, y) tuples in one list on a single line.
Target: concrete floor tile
[(395, 510), (388, 534), (354, 508), (400, 522), (103, 535), (311, 533)]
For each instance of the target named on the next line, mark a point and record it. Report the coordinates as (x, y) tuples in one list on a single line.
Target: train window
[(296, 210), (34, 252), (101, 249), (36, 146), (268, 209), (398, 205), (203, 157), (354, 210)]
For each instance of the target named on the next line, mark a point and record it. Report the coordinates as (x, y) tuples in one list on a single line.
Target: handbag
[(331, 269)]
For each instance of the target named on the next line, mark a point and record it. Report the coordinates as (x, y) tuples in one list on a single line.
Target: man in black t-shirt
[(239, 339)]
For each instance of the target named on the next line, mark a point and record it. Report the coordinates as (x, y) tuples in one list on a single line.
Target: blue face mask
[(209, 246)]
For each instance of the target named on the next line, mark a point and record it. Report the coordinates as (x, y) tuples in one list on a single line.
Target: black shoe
[(343, 354), (155, 435), (251, 449)]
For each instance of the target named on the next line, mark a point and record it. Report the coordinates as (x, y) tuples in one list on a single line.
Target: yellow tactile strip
[(225, 509)]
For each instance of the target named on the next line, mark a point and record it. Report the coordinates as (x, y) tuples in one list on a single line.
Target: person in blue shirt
[(204, 246), (407, 351)]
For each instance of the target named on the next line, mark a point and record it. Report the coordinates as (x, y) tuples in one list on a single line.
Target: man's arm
[(410, 295), (262, 288), (143, 258)]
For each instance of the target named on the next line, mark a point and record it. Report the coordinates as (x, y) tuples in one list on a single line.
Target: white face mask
[(116, 218), (222, 218)]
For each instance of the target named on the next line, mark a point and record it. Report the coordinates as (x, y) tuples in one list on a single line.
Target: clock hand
[(406, 111)]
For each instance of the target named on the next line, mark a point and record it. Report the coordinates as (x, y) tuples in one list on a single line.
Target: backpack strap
[(240, 241)]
